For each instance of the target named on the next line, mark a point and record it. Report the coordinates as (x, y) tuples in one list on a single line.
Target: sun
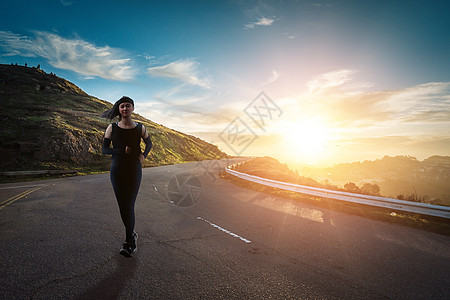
[(306, 140)]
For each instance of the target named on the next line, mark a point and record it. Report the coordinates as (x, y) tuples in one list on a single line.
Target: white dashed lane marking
[(225, 230)]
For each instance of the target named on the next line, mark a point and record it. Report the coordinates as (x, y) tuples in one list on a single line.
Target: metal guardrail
[(414, 207)]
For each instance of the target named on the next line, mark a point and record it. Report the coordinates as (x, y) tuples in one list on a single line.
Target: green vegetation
[(50, 123), (270, 168), (401, 177)]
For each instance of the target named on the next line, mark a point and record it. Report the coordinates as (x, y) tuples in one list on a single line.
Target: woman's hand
[(141, 158), (127, 150)]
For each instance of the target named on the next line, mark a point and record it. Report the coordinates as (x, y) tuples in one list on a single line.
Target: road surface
[(201, 237)]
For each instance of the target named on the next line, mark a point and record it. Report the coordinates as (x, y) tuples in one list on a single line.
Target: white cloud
[(428, 102), (273, 77), (149, 57), (261, 22), (185, 70), (184, 113), (14, 44), (66, 2), (289, 36), (423, 108), (69, 54), (329, 80)]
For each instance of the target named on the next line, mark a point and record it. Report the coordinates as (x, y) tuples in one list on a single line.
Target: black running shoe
[(135, 238), (127, 250)]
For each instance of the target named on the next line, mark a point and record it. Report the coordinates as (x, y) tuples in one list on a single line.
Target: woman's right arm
[(108, 132), (106, 148)]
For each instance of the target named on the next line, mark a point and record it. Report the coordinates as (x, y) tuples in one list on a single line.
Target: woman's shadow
[(111, 286)]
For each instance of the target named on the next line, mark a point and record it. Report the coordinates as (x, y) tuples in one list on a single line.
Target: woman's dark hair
[(114, 111)]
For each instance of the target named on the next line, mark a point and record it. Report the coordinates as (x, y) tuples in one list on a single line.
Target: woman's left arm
[(147, 141)]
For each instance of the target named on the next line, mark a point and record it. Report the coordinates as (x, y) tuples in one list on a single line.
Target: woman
[(126, 170)]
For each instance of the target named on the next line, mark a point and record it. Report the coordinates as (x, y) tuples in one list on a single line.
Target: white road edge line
[(226, 231)]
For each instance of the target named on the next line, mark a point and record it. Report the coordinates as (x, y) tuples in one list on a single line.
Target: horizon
[(312, 82), (307, 166)]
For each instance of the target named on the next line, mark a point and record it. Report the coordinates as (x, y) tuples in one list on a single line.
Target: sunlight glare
[(307, 139)]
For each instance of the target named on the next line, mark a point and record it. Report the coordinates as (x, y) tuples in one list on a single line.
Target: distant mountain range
[(50, 123)]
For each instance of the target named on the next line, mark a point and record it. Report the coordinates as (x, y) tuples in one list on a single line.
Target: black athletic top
[(121, 138)]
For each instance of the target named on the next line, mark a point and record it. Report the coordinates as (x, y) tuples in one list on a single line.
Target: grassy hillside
[(50, 123)]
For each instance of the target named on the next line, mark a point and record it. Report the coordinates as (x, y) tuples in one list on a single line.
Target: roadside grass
[(71, 173), (428, 223), (25, 178)]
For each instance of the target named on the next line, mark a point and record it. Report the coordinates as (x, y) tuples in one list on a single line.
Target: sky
[(312, 82)]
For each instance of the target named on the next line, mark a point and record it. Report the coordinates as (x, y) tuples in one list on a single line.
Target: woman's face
[(125, 109)]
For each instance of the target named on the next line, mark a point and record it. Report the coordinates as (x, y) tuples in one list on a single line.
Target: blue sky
[(354, 80)]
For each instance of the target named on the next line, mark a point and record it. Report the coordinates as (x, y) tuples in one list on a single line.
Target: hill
[(50, 123), (270, 168), (400, 177)]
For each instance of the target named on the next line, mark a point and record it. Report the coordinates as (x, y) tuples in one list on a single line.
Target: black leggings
[(126, 179)]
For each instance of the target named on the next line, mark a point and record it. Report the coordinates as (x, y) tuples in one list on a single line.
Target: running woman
[(126, 168)]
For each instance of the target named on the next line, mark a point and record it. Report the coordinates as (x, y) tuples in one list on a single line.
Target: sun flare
[(307, 139)]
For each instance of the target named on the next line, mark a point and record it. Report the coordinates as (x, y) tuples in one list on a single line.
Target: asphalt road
[(201, 237)]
